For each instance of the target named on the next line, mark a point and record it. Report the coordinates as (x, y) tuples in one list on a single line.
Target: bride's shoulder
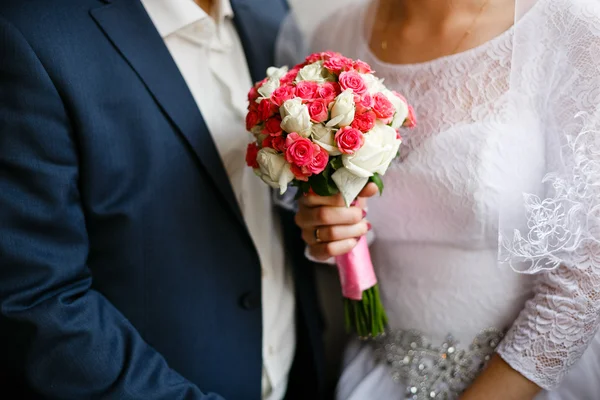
[(586, 9), (340, 30), (563, 26), (569, 16)]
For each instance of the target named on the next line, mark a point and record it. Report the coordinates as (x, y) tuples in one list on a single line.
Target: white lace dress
[(436, 246)]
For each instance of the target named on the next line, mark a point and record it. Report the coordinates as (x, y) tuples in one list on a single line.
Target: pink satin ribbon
[(356, 271)]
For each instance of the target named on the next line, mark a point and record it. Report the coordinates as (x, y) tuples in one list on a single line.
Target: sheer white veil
[(555, 92), (553, 104)]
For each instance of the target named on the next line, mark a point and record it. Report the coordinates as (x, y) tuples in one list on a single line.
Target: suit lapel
[(131, 31)]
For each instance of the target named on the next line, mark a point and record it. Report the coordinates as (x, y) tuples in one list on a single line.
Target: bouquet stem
[(364, 312), (366, 317)]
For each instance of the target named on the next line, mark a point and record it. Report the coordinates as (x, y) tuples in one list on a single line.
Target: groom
[(139, 258)]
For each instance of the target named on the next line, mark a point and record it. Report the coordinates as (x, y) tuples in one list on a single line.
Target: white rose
[(295, 117), (269, 87), (349, 184), (374, 85), (312, 72), (400, 106), (380, 147), (342, 112), (273, 169), (325, 137), (277, 73)]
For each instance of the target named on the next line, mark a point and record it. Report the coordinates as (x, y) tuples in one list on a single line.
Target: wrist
[(499, 381)]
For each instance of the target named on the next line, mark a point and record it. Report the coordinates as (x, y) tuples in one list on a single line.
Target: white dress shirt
[(211, 59)]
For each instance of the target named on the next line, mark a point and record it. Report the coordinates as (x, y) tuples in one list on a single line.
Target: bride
[(506, 151)]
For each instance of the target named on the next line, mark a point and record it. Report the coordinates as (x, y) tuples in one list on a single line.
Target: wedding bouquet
[(329, 126)]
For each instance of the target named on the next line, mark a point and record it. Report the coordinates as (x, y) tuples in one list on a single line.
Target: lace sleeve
[(557, 324), (557, 236)]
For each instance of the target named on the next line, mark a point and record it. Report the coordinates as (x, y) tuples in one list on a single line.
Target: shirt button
[(250, 300), (271, 350)]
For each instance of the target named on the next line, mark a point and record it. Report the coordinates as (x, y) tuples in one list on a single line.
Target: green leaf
[(322, 184), (376, 179), (336, 163)]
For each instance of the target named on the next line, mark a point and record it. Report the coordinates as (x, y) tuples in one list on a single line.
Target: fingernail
[(354, 203), (364, 213), (369, 226)]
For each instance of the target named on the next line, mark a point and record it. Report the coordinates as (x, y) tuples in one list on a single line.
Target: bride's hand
[(329, 228), (499, 381)]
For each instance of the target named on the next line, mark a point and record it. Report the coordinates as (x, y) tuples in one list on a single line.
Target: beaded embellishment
[(431, 372)]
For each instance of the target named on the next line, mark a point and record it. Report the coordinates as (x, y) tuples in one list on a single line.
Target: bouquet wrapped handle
[(356, 271), (363, 309)]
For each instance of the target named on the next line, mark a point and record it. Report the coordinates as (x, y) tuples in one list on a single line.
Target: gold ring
[(317, 236)]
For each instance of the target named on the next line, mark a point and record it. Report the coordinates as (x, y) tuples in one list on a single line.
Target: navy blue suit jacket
[(126, 270)]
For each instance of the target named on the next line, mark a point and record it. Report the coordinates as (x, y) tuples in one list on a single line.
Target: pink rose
[(283, 94), (267, 142), (300, 151), (338, 64), (326, 55), (384, 109), (251, 120), (273, 126), (411, 120), (352, 80), (278, 143), (253, 106), (251, 154), (253, 95), (320, 160), (349, 140), (274, 142), (364, 103), (328, 91), (318, 110), (266, 109), (307, 90), (313, 58), (300, 173), (362, 67), (289, 77), (364, 122)]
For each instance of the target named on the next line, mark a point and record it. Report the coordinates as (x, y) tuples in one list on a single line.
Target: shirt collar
[(169, 16)]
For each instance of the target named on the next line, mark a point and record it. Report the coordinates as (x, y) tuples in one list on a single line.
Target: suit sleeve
[(81, 347)]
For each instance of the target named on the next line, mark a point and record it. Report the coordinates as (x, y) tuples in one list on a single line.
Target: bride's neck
[(412, 31), (435, 11)]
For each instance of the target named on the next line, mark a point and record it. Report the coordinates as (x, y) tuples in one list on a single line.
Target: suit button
[(250, 300)]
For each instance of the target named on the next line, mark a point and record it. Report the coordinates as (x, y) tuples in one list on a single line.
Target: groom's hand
[(329, 228)]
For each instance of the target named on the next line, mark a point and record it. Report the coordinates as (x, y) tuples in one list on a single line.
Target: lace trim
[(563, 228), (556, 326)]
